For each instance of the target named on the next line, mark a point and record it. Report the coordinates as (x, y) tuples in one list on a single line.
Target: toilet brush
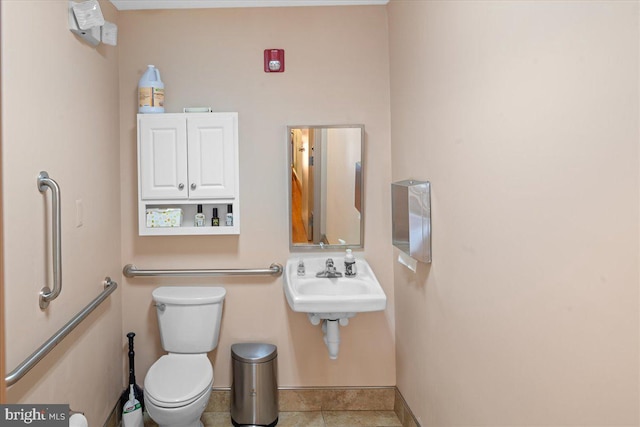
[(137, 391)]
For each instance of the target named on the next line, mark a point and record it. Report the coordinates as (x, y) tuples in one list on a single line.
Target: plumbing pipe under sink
[(331, 323), (331, 329)]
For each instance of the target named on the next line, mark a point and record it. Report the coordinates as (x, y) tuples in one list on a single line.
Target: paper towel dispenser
[(411, 216)]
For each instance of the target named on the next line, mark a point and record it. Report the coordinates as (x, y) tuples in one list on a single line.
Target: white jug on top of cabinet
[(151, 92)]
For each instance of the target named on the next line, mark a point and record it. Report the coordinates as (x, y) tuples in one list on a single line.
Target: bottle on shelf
[(215, 221), (229, 221), (198, 220)]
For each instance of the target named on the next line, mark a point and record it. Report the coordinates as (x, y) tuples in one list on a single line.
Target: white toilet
[(178, 385)]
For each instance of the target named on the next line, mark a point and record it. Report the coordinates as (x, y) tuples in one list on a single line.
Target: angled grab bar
[(35, 357), (274, 269), (46, 294)]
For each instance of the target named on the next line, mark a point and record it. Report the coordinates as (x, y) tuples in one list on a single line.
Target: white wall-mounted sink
[(331, 301), (311, 294)]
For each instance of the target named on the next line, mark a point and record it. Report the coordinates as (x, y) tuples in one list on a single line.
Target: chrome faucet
[(330, 271)]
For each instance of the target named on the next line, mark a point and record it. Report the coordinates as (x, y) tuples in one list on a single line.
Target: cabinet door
[(163, 157), (212, 156)]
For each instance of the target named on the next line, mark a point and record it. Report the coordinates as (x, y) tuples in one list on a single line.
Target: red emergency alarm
[(273, 60)]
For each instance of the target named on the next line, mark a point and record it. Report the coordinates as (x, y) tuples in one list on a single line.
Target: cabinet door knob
[(193, 186), (181, 186)]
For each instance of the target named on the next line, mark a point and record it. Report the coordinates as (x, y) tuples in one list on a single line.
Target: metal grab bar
[(274, 269), (46, 294), (22, 369)]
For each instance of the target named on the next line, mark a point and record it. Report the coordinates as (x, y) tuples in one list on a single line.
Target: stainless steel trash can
[(254, 387)]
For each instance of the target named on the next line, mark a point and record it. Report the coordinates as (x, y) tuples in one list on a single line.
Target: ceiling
[(199, 4)]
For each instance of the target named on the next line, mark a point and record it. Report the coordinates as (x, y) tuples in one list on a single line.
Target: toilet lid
[(177, 379)]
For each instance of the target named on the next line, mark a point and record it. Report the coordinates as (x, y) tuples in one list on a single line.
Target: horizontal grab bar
[(274, 269), (22, 369)]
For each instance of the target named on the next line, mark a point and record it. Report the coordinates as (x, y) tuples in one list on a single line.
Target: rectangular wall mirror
[(325, 169)]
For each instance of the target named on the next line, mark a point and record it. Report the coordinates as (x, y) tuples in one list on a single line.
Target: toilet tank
[(189, 317)]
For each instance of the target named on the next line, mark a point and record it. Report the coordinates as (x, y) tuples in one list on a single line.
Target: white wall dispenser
[(87, 21), (411, 217)]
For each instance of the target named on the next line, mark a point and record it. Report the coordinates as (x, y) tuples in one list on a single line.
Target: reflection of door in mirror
[(302, 231), (307, 213), (325, 183)]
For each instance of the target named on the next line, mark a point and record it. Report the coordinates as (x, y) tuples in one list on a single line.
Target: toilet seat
[(177, 380)]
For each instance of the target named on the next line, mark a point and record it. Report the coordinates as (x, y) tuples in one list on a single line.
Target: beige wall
[(336, 73), (524, 116), (60, 114)]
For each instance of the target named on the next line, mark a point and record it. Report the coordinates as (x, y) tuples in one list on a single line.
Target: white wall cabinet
[(185, 160)]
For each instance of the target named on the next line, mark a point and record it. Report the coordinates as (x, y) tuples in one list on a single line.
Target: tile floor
[(311, 419)]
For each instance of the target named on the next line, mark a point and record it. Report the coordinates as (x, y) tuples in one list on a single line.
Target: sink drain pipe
[(331, 323), (331, 329)]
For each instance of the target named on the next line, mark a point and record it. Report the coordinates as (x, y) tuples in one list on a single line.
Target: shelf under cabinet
[(190, 231), (189, 210)]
